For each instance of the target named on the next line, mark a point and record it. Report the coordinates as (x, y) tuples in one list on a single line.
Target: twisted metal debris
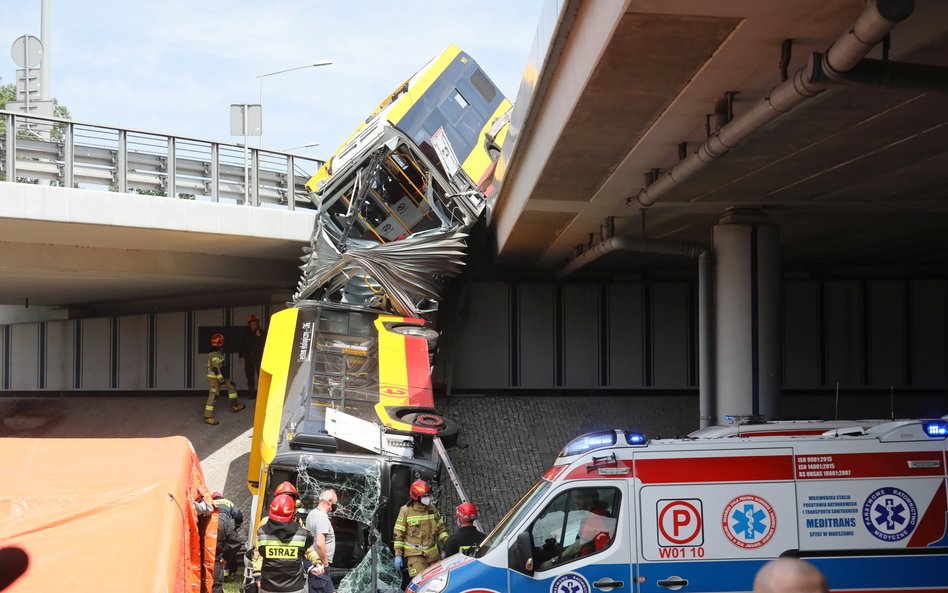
[(391, 227)]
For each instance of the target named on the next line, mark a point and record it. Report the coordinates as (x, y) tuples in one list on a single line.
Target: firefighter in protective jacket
[(217, 378), (282, 544), (419, 531)]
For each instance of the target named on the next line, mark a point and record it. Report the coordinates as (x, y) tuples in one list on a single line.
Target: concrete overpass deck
[(107, 251)]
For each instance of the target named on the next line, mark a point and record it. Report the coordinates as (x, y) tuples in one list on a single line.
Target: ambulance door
[(711, 518), (578, 543)]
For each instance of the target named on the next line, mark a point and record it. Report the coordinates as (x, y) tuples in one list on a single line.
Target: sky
[(175, 66)]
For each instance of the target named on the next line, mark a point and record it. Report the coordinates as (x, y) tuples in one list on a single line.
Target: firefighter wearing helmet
[(217, 379), (419, 531), (282, 544), (467, 536)]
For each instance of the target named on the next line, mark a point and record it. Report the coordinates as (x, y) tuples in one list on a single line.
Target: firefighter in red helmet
[(287, 488), (467, 536), (419, 531), (282, 544), (217, 379)]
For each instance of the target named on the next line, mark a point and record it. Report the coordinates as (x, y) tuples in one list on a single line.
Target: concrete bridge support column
[(747, 315)]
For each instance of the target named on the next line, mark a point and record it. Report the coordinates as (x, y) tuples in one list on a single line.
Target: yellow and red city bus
[(450, 101)]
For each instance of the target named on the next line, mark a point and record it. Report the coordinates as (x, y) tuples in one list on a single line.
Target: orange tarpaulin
[(106, 515)]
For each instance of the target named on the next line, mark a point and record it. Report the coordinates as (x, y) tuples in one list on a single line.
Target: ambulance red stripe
[(931, 527), (783, 433), (757, 468), (816, 466)]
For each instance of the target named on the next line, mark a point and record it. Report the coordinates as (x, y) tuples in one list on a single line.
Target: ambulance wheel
[(447, 429)]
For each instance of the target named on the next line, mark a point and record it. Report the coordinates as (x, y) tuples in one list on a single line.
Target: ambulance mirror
[(520, 554)]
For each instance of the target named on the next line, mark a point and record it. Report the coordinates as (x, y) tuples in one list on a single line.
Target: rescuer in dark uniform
[(228, 547), (251, 352), (467, 536), (282, 544)]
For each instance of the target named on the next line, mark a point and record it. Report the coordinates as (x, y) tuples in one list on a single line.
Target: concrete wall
[(156, 352), (863, 334)]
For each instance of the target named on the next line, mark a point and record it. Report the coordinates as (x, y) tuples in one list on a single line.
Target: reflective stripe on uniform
[(288, 551), (416, 519), (299, 540), (399, 544), (420, 547)]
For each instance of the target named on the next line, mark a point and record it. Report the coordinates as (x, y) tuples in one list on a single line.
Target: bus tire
[(447, 428)]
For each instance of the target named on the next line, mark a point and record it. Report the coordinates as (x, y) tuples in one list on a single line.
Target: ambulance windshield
[(511, 520)]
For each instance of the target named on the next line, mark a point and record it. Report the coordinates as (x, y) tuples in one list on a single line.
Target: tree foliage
[(8, 94)]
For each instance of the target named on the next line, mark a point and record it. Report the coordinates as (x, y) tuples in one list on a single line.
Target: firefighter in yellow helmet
[(419, 531), (217, 378)]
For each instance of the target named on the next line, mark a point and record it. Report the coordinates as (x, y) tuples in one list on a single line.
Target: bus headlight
[(435, 584)]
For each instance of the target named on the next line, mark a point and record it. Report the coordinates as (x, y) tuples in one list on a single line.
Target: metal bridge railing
[(69, 153)]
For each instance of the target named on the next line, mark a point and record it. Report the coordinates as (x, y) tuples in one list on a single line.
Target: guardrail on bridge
[(69, 153)]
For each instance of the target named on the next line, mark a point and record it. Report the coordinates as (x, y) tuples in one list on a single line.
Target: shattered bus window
[(357, 483), (359, 580)]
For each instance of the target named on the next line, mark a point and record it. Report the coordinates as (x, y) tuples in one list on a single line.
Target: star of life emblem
[(890, 514), (570, 583), (749, 521)]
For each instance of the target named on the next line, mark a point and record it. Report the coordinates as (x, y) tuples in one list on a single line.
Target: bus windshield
[(510, 521), (357, 482)]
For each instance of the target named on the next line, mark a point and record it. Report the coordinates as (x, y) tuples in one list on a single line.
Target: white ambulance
[(617, 513)]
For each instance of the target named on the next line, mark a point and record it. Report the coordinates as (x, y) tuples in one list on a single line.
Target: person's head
[(328, 501), (217, 340), (216, 495), (282, 508), (586, 499), (466, 513), (253, 322), (789, 575), (420, 492)]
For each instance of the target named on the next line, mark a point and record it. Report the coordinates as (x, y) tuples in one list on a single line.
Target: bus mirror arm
[(520, 554)]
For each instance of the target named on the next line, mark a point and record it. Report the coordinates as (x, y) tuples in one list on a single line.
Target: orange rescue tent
[(107, 515)]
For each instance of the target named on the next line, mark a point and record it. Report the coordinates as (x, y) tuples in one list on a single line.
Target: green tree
[(8, 94)]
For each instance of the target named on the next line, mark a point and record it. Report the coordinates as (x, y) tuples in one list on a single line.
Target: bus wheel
[(447, 429)]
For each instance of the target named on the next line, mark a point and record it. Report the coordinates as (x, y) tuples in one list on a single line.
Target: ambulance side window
[(577, 523)]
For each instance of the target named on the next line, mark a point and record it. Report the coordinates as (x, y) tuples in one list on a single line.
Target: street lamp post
[(309, 145), (268, 74)]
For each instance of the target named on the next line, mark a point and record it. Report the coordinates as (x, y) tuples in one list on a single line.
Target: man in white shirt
[(317, 522)]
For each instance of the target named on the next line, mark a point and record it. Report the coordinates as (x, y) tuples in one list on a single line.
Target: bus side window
[(483, 85)]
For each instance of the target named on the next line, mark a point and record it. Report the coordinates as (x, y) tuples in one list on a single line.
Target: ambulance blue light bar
[(635, 438), (588, 442), (936, 428)]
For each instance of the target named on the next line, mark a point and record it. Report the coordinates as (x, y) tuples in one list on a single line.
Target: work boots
[(237, 407)]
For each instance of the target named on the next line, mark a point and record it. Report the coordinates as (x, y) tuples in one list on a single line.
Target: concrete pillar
[(747, 315)]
